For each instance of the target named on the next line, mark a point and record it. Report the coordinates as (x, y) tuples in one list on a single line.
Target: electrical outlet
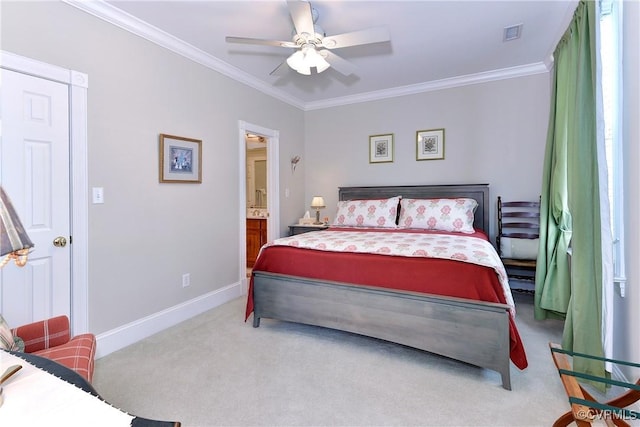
[(186, 279)]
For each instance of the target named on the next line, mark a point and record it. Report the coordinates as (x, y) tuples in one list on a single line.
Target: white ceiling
[(434, 44)]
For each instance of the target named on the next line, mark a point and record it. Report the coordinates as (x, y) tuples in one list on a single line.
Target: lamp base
[(317, 218)]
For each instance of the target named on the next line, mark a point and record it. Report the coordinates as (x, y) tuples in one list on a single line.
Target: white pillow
[(438, 214), (514, 248), (368, 213)]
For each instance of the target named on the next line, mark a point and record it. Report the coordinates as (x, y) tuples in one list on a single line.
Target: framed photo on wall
[(381, 148), (430, 144), (180, 159)]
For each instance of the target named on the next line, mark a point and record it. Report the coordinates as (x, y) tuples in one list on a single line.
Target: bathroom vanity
[(256, 237)]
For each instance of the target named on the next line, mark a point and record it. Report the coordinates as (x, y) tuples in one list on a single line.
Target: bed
[(443, 306)]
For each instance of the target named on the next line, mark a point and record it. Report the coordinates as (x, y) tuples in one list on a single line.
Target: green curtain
[(570, 201)]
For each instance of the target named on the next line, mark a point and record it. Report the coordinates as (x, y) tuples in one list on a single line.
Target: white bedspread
[(445, 246)]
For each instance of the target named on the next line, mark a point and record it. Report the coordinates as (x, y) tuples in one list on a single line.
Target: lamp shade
[(317, 202), (14, 240)]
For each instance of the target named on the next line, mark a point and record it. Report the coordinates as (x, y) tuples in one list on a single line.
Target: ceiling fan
[(313, 48)]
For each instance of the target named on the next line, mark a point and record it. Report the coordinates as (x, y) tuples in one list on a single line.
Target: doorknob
[(60, 242)]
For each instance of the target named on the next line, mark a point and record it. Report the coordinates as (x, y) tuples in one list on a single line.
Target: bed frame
[(470, 331)]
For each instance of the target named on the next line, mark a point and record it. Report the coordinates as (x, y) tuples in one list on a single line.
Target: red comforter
[(427, 275)]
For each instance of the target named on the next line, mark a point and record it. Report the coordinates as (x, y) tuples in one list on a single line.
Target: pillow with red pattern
[(368, 213), (454, 215)]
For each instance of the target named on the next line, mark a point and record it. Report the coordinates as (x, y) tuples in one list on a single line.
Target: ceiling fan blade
[(301, 15), (247, 40), (339, 64), (281, 69), (371, 35)]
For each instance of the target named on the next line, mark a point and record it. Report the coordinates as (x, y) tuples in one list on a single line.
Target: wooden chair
[(517, 238), (585, 409)]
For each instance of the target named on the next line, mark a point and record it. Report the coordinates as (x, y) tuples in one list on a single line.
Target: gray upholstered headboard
[(479, 192)]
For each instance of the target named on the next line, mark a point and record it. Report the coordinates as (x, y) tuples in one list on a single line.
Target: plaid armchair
[(51, 338)]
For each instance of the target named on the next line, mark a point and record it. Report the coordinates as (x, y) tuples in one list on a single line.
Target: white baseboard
[(133, 332)]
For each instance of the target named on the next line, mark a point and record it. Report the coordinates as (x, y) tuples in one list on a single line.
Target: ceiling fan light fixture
[(304, 70), (308, 57), (296, 60), (311, 42), (322, 65), (298, 63), (314, 59)]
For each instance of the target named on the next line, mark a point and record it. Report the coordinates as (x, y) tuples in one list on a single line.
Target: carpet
[(217, 370)]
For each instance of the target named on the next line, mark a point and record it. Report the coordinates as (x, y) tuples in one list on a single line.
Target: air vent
[(512, 33)]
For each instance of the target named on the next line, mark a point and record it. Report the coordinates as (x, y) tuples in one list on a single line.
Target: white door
[(34, 171)]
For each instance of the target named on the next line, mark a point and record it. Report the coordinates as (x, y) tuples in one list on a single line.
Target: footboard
[(470, 331)]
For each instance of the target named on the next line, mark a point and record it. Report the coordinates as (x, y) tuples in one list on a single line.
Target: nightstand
[(299, 228)]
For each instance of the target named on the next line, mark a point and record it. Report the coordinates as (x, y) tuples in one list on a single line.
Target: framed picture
[(430, 144), (381, 148), (180, 159)]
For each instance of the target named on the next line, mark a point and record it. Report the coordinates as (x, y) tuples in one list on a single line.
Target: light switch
[(98, 195)]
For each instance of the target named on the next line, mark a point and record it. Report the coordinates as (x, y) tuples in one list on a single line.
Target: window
[(611, 58)]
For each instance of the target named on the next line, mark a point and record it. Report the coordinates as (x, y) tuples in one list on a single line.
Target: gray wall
[(147, 234), (495, 133)]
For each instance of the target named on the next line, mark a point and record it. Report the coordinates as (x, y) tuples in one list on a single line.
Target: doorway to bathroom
[(257, 196), (259, 192)]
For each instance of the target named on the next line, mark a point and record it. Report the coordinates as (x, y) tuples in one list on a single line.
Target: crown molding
[(453, 82), (119, 18)]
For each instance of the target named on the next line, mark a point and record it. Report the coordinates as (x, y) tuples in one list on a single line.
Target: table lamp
[(14, 241), (317, 203)]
